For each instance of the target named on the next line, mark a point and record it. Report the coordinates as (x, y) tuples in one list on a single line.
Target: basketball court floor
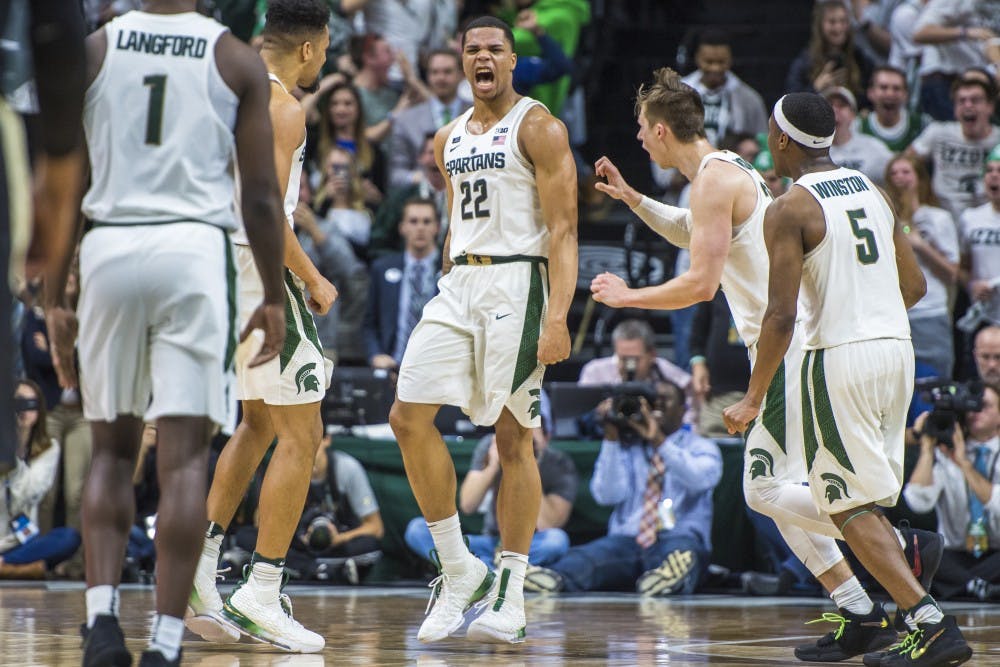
[(39, 625)]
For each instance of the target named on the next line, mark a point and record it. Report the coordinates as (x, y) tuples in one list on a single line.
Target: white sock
[(451, 548), (852, 597), (210, 550), (265, 579), (899, 536), (517, 564), (101, 600), (166, 636), (927, 611)]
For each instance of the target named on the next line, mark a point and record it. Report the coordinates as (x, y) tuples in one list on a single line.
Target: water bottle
[(977, 541)]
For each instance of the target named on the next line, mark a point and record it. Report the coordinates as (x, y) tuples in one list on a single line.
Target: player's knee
[(762, 499), (407, 421)]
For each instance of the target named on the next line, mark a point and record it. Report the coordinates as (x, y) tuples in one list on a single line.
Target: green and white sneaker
[(269, 622), (503, 620), (204, 612), (452, 596)]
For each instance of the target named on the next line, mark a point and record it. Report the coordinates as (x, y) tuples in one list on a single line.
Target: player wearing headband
[(835, 234)]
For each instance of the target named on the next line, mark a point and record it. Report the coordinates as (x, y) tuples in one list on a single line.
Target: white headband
[(797, 135)]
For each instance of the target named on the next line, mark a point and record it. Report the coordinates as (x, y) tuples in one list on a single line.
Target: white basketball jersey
[(744, 276), (495, 208), (291, 193), (159, 123), (850, 283)]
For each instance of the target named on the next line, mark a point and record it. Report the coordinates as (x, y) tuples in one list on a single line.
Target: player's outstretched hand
[(616, 187), (738, 416), (269, 318), (322, 294), (62, 326), (553, 344), (609, 289)]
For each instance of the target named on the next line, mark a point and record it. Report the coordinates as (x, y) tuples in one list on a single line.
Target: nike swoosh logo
[(918, 566), (871, 624), (500, 317), (917, 652), (818, 142)]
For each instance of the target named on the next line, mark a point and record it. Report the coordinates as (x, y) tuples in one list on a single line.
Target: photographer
[(25, 553), (958, 473), (659, 478), (341, 525)]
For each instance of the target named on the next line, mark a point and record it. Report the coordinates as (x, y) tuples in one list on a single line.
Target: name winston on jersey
[(174, 45)]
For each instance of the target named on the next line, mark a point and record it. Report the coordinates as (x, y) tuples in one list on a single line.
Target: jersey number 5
[(472, 208), (867, 250), (154, 119)]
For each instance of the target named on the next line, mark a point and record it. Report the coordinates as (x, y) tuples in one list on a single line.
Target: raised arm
[(544, 140), (784, 222)]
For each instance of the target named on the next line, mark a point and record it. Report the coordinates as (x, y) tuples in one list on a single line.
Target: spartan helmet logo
[(836, 487), (306, 379), (762, 464)]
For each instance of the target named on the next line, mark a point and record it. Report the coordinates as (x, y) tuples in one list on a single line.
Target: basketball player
[(724, 230), (835, 233), (282, 397), (172, 95), (485, 338)]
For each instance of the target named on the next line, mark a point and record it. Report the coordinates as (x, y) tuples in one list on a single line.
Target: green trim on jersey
[(914, 126), (308, 325), (294, 301), (466, 259), (808, 425), (230, 302), (774, 408), (527, 355), (832, 441)]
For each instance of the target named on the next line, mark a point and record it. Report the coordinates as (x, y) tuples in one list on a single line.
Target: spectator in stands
[(413, 28), (64, 423), (401, 284), (830, 59), (381, 101), (905, 53), (933, 236), (385, 230), (635, 359), (342, 124), (958, 477), (25, 551), (341, 525), (334, 257), (871, 28), (720, 368), (731, 105), (852, 149), (953, 33), (979, 233), (411, 126), (562, 20), (660, 485), (956, 149), (890, 121), (478, 493), (986, 353), (550, 64)]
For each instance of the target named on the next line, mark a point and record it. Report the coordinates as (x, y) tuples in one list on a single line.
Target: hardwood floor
[(39, 625)]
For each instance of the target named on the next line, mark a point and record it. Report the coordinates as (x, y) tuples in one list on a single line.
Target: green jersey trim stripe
[(527, 355), (292, 337), (832, 441), (489, 260), (308, 325), (774, 408), (230, 303), (808, 425), (94, 224)]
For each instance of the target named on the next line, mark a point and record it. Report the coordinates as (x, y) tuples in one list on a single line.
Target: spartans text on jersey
[(462, 165)]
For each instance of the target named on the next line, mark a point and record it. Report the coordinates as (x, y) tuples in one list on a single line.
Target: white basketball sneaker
[(451, 598), (269, 622), (502, 620), (204, 612)]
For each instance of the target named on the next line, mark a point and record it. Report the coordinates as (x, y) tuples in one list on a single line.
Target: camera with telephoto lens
[(626, 410), (321, 536), (951, 402)]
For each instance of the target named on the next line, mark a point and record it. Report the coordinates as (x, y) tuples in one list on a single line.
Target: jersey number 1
[(472, 208), (867, 250), (154, 120)]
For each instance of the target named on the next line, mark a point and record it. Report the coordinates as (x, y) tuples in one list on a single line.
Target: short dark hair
[(714, 37), (810, 113), (420, 201), (451, 53), (889, 69), (294, 17), (489, 22), (970, 82), (675, 103)]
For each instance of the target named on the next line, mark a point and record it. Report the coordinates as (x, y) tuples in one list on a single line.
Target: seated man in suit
[(401, 284)]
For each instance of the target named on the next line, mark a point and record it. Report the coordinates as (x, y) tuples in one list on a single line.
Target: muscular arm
[(912, 284), (439, 141), (546, 143)]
